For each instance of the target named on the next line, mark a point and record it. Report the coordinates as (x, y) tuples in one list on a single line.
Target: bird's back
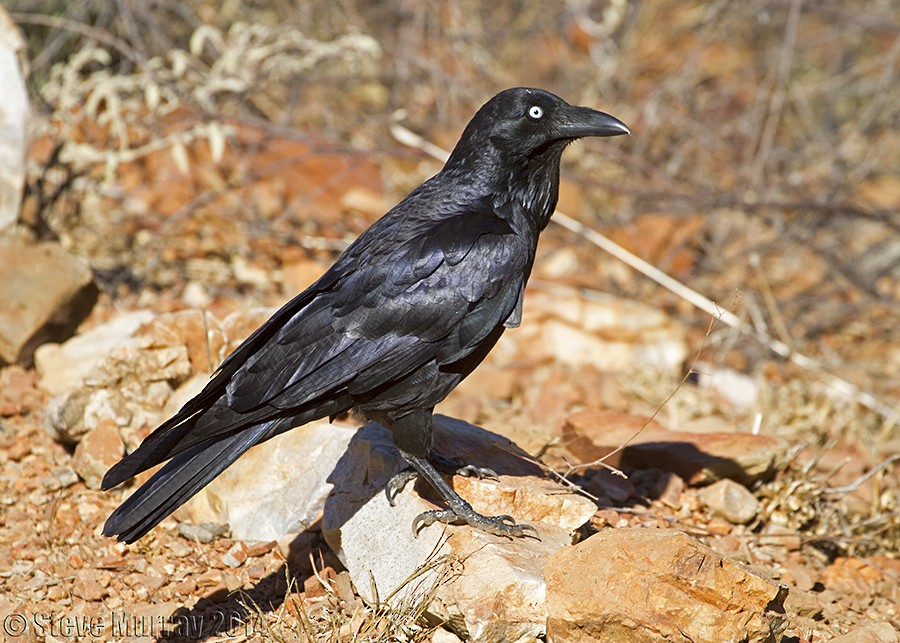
[(393, 325)]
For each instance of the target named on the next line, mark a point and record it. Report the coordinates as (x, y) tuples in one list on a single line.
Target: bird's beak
[(576, 122)]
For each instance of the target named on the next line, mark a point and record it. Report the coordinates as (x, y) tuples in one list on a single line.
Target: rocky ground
[(808, 517), (687, 481)]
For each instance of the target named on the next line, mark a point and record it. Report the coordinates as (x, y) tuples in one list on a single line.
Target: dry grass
[(339, 614)]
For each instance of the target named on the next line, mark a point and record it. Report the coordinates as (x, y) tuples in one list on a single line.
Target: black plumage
[(404, 314)]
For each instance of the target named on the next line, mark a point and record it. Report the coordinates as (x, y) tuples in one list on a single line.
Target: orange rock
[(87, 585), (43, 303), (100, 449), (851, 576), (657, 585)]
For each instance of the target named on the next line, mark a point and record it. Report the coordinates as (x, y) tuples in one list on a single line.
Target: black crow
[(405, 313)]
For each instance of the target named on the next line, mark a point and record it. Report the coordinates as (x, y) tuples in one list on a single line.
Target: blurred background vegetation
[(764, 169)]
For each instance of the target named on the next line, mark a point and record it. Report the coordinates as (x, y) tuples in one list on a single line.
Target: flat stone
[(87, 585), (205, 532), (46, 293), (657, 585), (882, 632), (699, 458)]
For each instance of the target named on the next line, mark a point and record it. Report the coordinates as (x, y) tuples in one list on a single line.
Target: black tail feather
[(174, 484), (153, 450)]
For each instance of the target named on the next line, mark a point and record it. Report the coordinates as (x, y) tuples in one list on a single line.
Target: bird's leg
[(443, 464), (406, 433), (412, 434), (459, 511)]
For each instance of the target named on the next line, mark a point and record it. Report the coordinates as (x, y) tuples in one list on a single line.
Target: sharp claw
[(503, 525), (427, 518), (397, 484), (524, 530), (418, 524), (459, 511)]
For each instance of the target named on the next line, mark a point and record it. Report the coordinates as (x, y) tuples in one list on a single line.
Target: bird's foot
[(452, 465), (459, 512), (399, 480), (397, 483), (503, 525)]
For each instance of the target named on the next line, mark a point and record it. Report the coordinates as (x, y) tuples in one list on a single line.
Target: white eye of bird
[(535, 112)]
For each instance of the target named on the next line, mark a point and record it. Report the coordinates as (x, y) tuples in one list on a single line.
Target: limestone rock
[(730, 500), (698, 458), (489, 588), (14, 113), (61, 367), (134, 369), (354, 524), (648, 585), (46, 292), (100, 449), (205, 532), (277, 488), (613, 333)]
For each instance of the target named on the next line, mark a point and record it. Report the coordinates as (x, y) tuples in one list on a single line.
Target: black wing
[(405, 294)]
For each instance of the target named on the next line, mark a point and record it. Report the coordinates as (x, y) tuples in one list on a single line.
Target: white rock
[(614, 334), (731, 500), (742, 391), (61, 367), (275, 489), (14, 113)]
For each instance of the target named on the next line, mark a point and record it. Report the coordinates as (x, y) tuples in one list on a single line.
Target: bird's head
[(512, 148), (523, 123)]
